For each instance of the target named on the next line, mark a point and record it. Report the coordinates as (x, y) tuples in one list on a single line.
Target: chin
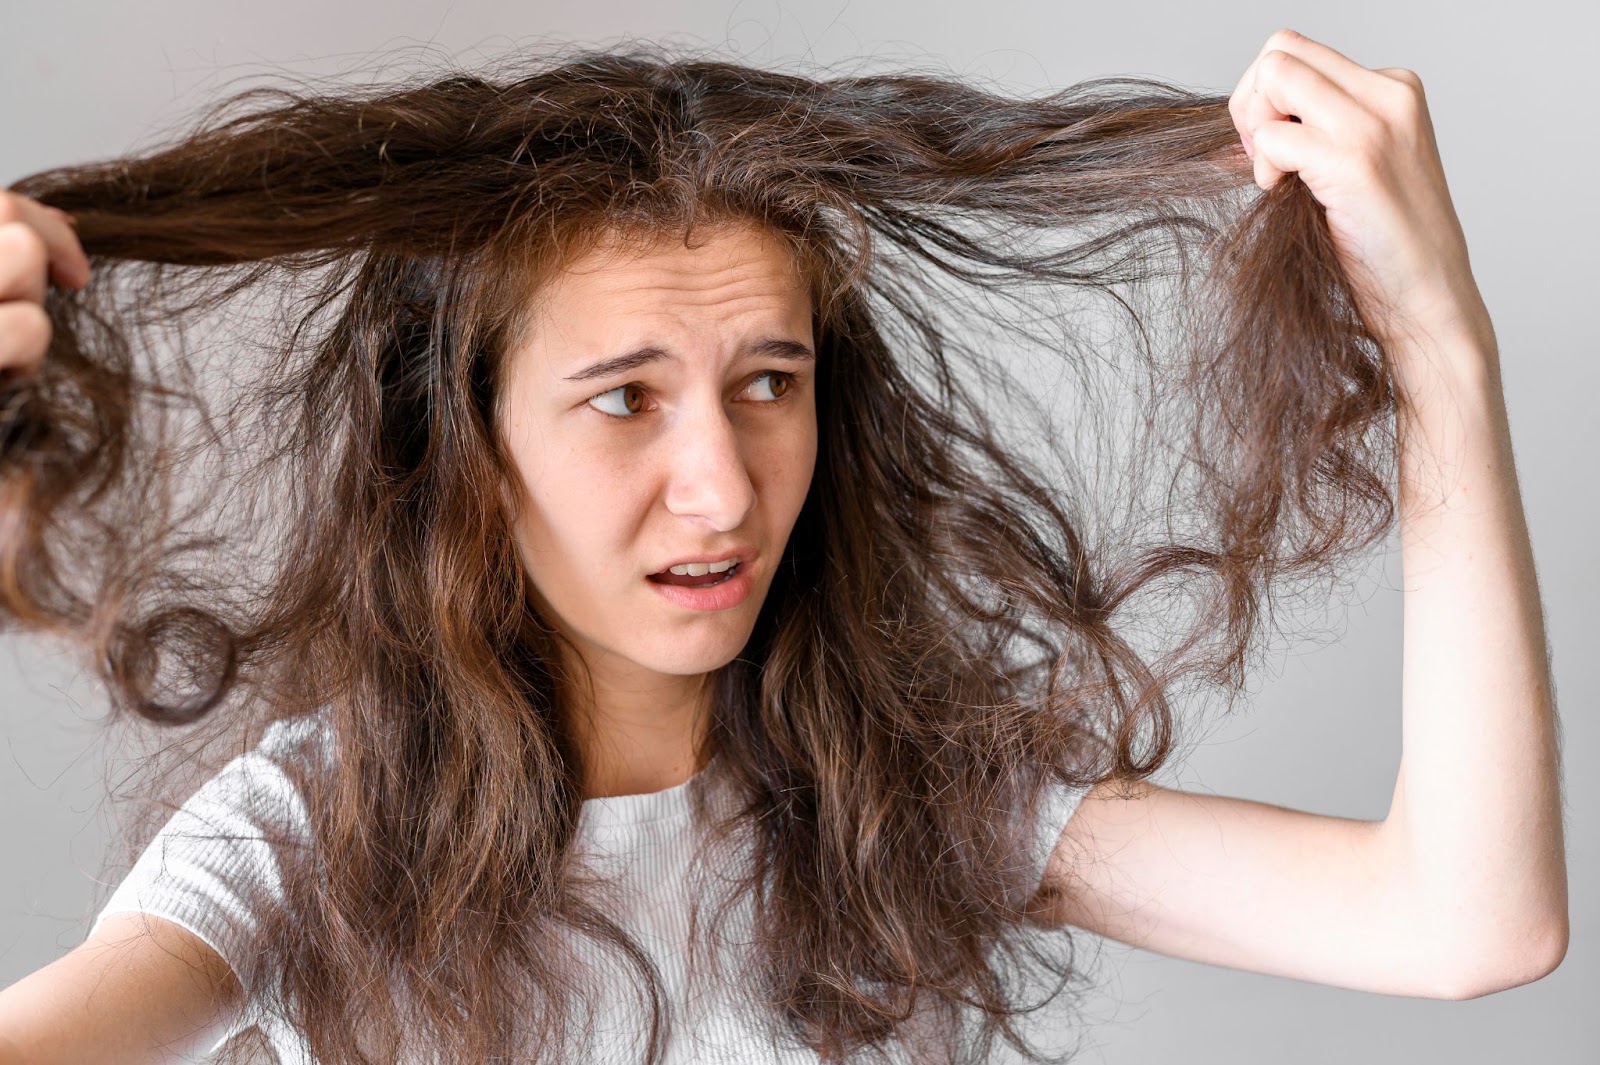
[(687, 665)]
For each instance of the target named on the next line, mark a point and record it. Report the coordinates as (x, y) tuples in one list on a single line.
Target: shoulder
[(215, 866), (296, 740), (258, 788)]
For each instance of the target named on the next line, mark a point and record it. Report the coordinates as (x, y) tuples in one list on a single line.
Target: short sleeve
[(212, 868), (1057, 803)]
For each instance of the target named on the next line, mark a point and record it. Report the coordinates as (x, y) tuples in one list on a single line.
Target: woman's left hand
[(1363, 143)]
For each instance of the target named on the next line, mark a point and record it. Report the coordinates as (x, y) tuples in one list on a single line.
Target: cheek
[(792, 460), (579, 529), (578, 513)]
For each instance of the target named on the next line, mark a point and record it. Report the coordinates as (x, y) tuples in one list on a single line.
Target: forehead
[(733, 271)]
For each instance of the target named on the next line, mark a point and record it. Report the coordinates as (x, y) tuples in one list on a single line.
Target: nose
[(707, 475)]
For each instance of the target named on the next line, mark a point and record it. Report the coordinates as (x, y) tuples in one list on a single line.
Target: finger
[(1236, 101), (1331, 64), (1286, 85), (23, 259), (1338, 68), (24, 334), (1288, 147), (1246, 88), (69, 266)]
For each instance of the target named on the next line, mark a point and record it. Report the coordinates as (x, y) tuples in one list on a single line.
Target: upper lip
[(745, 555)]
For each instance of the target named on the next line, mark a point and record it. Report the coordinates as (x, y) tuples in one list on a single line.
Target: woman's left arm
[(1477, 807), (1462, 889)]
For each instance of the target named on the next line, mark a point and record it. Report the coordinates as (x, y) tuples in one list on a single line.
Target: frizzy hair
[(947, 631)]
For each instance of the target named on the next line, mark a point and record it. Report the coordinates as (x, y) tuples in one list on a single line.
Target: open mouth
[(705, 580)]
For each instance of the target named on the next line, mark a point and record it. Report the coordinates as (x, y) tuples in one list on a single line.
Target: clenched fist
[(37, 247)]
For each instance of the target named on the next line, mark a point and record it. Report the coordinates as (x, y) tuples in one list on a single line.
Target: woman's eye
[(630, 397), (776, 376), (628, 392)]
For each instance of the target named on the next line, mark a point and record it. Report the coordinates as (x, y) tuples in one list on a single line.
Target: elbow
[(1528, 957)]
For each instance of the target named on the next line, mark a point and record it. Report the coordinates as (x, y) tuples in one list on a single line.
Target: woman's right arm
[(140, 991)]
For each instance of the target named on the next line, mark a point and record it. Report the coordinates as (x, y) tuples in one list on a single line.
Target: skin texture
[(712, 454), (142, 990)]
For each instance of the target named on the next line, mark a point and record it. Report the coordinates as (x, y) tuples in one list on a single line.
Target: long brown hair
[(950, 627)]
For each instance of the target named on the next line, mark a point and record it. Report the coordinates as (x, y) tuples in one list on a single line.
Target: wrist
[(1449, 319), (1459, 359)]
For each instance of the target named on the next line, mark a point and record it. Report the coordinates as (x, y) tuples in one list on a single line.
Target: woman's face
[(702, 448)]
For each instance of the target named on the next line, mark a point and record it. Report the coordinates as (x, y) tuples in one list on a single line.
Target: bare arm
[(1461, 890), (140, 991), (1476, 812)]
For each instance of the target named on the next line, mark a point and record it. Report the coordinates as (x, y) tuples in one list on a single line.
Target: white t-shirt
[(211, 871)]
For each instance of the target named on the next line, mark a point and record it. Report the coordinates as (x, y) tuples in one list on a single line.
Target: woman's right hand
[(38, 246)]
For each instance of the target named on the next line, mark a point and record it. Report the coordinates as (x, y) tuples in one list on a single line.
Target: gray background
[(1506, 90)]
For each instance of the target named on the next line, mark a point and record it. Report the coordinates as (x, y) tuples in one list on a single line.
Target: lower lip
[(730, 592)]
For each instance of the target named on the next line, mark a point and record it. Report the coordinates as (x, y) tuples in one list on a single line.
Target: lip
[(745, 555), (729, 593)]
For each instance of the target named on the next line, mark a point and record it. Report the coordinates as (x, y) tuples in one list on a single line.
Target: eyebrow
[(770, 347)]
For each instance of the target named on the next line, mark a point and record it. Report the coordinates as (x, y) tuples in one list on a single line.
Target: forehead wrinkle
[(753, 278), (686, 282), (687, 305)]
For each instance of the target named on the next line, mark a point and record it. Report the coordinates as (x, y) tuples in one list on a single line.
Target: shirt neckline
[(641, 807)]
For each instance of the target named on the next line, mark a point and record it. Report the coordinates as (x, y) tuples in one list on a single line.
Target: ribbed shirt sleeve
[(211, 867), (1057, 804)]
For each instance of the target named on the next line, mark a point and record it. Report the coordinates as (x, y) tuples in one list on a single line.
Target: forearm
[(140, 990), (1476, 816)]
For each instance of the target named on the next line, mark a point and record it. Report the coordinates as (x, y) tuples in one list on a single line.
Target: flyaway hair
[(953, 624)]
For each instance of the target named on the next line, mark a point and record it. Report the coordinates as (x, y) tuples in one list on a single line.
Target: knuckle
[(1410, 96), (1282, 37), (10, 207), (1276, 62), (1407, 77), (1402, 91)]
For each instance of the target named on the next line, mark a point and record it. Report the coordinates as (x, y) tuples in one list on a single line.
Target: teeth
[(700, 569)]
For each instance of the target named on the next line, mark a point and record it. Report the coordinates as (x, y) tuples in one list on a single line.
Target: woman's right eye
[(627, 410)]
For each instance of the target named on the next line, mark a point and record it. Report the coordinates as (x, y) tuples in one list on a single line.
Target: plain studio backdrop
[(1506, 88)]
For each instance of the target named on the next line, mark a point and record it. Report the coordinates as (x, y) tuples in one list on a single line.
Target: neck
[(637, 738)]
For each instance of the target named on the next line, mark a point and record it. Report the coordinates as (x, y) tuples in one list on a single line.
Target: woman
[(556, 338)]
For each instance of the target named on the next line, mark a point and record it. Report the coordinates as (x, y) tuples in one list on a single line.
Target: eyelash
[(792, 378)]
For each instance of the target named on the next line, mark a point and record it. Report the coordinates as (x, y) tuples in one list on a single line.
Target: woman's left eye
[(779, 384), (770, 376), (626, 390)]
